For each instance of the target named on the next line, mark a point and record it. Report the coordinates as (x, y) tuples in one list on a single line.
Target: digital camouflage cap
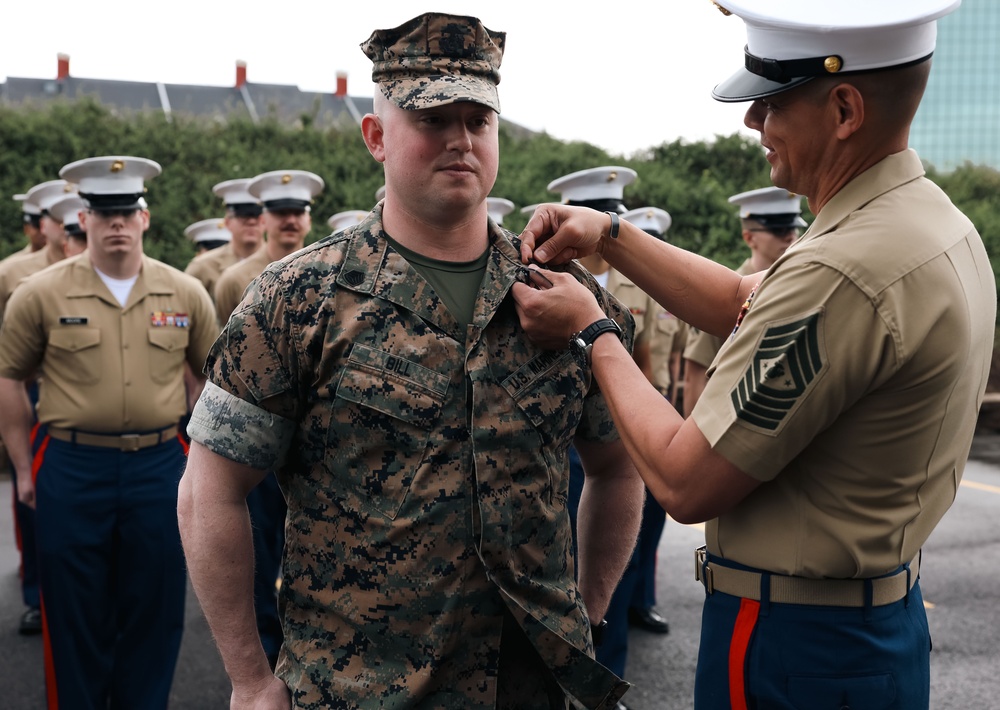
[(437, 59)]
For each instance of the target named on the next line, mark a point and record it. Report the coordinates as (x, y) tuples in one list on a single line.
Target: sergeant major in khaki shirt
[(832, 436), (109, 331)]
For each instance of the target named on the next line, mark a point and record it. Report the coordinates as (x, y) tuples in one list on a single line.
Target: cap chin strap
[(785, 70)]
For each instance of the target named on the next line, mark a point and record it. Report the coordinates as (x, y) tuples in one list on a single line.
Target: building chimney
[(63, 67), (341, 84), (241, 73)]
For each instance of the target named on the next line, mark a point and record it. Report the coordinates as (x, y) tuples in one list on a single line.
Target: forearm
[(695, 289), (608, 522), (215, 532), (16, 420)]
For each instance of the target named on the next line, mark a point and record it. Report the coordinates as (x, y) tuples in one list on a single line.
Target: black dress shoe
[(31, 623), (649, 620), (620, 706)]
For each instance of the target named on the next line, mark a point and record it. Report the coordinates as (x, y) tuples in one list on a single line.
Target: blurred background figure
[(770, 221)]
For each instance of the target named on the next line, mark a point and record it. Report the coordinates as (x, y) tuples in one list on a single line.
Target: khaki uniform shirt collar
[(888, 174), (86, 282)]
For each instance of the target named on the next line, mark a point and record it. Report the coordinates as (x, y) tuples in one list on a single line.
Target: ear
[(748, 238), (145, 219), (373, 133), (82, 218), (850, 107)]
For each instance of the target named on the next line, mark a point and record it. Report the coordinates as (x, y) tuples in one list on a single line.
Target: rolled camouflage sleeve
[(248, 410)]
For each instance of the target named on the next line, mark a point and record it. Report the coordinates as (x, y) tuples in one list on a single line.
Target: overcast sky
[(622, 75)]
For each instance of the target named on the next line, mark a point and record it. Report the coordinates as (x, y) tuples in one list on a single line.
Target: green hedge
[(690, 180)]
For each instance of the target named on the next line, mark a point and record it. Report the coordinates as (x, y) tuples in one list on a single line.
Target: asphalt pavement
[(959, 579)]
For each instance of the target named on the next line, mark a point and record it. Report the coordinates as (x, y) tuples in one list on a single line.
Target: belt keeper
[(615, 224)]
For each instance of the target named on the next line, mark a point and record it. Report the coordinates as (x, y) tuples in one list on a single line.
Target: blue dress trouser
[(803, 657), (267, 508), (112, 572)]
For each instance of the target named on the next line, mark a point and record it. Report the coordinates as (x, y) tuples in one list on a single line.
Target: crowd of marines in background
[(268, 217)]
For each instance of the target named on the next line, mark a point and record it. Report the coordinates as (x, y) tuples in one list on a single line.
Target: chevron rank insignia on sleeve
[(788, 358)]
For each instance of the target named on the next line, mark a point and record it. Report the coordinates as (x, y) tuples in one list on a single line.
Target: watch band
[(583, 341)]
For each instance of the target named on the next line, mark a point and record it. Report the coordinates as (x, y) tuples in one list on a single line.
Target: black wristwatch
[(583, 341), (597, 632)]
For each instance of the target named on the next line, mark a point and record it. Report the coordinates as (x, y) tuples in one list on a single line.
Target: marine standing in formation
[(770, 220), (108, 333)]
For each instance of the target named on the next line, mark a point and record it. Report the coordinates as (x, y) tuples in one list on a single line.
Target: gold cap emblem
[(721, 9), (832, 64), (285, 179), (612, 176), (117, 166)]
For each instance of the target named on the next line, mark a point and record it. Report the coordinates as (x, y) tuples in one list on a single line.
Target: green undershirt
[(456, 282)]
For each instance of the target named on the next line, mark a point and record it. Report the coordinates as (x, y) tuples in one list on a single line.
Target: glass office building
[(959, 118)]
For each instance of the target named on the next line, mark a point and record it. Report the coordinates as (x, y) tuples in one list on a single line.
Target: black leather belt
[(122, 442), (801, 590)]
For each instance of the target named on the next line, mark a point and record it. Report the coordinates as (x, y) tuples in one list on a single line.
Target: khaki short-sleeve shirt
[(233, 282), (104, 368), (209, 266), (852, 385), (16, 269)]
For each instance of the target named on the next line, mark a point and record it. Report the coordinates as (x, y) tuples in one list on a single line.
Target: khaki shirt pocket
[(380, 426), (75, 354), (168, 347)]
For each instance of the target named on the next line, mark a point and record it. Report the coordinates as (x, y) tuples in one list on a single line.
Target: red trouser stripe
[(36, 463), (746, 620), (51, 696), (184, 445)]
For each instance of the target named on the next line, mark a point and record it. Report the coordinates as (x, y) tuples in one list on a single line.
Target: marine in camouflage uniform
[(422, 449), (402, 544)]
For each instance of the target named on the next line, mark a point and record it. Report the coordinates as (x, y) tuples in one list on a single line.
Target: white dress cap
[(111, 181), (45, 194), (792, 41), (772, 206), (27, 206), (66, 210), (498, 208), (234, 192), (208, 230), (345, 219), (606, 183), (649, 219), (286, 189)]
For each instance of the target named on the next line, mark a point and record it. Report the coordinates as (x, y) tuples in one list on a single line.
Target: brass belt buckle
[(129, 442)]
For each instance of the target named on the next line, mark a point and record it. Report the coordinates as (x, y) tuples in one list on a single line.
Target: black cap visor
[(113, 203), (245, 209), (747, 86), (286, 205), (787, 219)]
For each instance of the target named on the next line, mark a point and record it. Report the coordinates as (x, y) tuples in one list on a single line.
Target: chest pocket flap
[(75, 339)]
